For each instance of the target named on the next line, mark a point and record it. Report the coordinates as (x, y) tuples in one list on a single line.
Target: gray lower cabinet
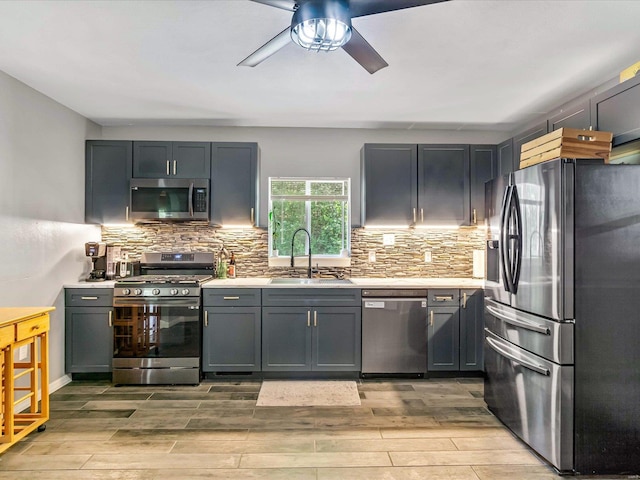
[(455, 330), (311, 330), (88, 330), (471, 330), (232, 330), (107, 175), (171, 159), (234, 184)]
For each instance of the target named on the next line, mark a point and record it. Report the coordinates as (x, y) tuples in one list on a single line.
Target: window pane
[(288, 187), (289, 215), (328, 188), (327, 226)]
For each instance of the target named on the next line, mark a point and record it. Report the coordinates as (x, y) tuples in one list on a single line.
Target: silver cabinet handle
[(431, 318), (474, 217), (464, 300), (175, 167), (422, 215), (168, 163), (315, 318), (446, 298), (231, 298), (206, 318), (126, 213), (89, 298), (110, 318), (414, 215), (252, 221), (308, 318)]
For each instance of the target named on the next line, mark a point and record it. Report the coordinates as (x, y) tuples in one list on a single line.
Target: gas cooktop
[(164, 279)]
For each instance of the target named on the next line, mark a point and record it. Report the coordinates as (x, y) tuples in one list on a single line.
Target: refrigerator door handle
[(503, 352), (517, 240), (505, 257), (517, 322)]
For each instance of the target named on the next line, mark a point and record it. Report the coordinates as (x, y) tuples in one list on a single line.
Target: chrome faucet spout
[(309, 253)]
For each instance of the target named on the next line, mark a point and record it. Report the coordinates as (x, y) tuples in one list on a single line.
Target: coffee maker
[(97, 251)]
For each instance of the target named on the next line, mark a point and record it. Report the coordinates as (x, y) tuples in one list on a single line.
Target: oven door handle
[(193, 302), (501, 351)]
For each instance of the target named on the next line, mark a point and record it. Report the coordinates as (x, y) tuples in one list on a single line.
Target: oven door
[(157, 328)]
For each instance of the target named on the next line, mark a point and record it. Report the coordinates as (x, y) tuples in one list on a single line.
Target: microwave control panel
[(200, 200)]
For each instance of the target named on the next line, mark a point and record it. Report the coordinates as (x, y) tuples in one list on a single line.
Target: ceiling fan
[(325, 25)]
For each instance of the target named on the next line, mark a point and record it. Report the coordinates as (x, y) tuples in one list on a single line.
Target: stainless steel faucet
[(292, 239)]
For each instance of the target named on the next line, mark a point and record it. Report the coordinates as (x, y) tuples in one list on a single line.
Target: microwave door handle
[(191, 199)]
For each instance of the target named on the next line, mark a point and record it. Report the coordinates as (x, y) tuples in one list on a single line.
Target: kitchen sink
[(310, 281)]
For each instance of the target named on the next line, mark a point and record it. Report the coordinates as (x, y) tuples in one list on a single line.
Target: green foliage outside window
[(319, 205)]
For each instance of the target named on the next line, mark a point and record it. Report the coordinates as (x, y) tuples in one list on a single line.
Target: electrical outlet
[(388, 239), (427, 256), (372, 256)]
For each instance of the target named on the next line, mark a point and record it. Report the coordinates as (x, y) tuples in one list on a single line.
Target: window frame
[(344, 259)]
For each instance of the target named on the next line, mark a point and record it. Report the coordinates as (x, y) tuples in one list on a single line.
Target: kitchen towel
[(312, 393)]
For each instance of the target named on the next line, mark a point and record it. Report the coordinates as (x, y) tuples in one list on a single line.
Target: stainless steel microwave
[(169, 199)]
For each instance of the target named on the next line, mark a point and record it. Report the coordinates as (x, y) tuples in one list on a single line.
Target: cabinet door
[(108, 167), (616, 110), (443, 185), (286, 339), (88, 339), (337, 339), (575, 116), (483, 168), (471, 329), (524, 137), (443, 343), (389, 184), (231, 339), (234, 184), (505, 157), (191, 160), (152, 159)]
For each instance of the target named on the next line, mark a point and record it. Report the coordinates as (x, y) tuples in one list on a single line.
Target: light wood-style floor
[(416, 429)]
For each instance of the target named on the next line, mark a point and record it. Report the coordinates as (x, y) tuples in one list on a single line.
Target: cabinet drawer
[(443, 297), (6, 336), (31, 328), (231, 297), (311, 297), (88, 297)]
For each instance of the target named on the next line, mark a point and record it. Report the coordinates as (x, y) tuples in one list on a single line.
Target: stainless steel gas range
[(157, 321)]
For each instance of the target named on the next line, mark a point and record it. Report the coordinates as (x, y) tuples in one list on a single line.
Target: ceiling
[(463, 64)]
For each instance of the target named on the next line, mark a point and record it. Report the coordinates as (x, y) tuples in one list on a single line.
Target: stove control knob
[(137, 291), (126, 291), (174, 291), (185, 291), (156, 291)]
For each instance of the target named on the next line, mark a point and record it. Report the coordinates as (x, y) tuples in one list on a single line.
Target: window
[(321, 205)]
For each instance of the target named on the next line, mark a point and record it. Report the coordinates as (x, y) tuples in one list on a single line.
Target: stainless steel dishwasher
[(394, 331)]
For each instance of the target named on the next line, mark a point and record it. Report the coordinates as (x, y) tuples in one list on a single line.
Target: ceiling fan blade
[(363, 53), (283, 4), (272, 46), (360, 8)]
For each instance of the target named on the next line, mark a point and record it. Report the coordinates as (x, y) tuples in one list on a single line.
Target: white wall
[(304, 151), (42, 233)]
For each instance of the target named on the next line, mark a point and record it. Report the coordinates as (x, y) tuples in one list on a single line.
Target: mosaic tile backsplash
[(451, 249)]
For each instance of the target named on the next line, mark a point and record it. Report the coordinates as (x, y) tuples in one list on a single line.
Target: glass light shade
[(321, 34)]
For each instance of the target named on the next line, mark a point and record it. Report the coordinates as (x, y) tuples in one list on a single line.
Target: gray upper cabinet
[(108, 167), (483, 167), (616, 110), (171, 159), (574, 116), (389, 184), (524, 137), (234, 184), (443, 185), (505, 157)]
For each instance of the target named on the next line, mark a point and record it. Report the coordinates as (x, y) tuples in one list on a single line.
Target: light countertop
[(83, 284)]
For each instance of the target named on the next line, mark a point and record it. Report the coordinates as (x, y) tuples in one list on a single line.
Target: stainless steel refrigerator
[(562, 314)]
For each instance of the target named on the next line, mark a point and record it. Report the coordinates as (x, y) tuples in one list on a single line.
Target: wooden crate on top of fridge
[(567, 143)]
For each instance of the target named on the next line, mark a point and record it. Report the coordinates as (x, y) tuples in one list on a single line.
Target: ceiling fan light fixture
[(321, 25)]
